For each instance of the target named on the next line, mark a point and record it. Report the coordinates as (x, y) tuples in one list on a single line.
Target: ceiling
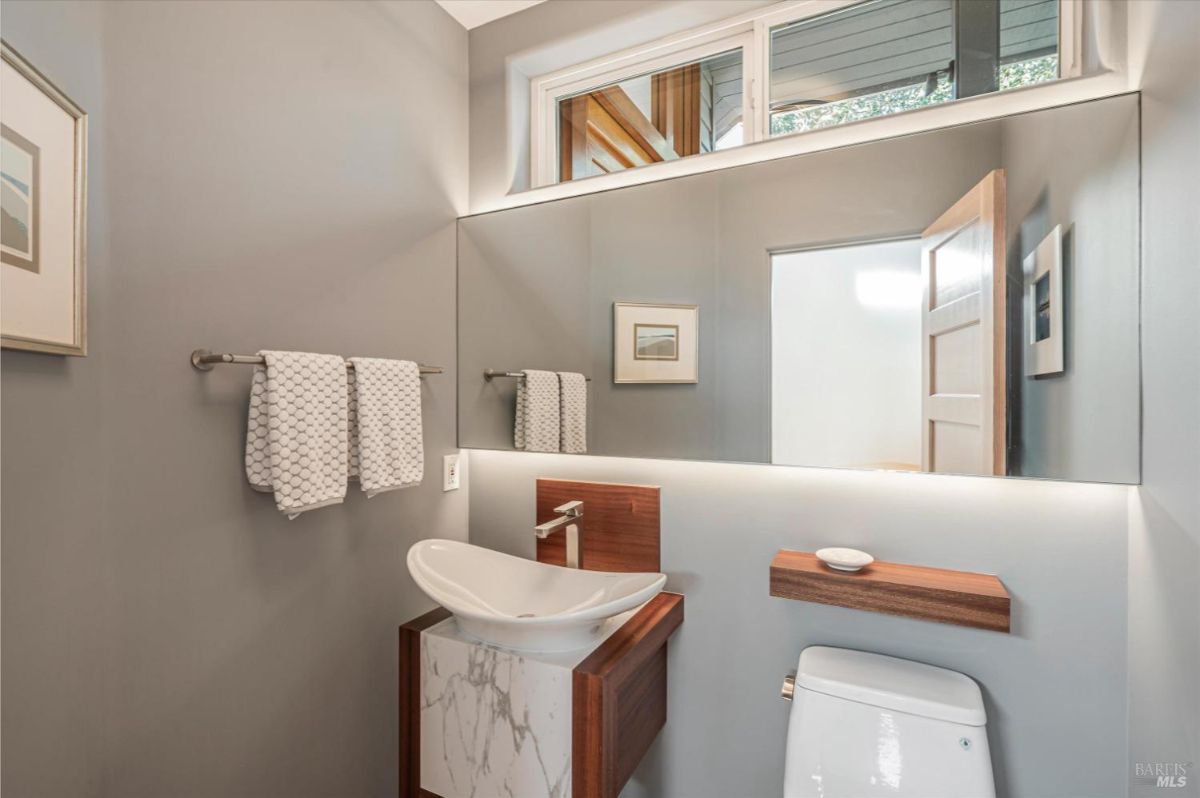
[(473, 13)]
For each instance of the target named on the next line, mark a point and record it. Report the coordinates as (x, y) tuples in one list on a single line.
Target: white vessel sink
[(522, 604)]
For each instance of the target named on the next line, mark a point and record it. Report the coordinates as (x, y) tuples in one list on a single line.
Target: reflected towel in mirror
[(573, 415), (537, 418)]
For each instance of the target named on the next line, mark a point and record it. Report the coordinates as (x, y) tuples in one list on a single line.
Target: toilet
[(865, 725)]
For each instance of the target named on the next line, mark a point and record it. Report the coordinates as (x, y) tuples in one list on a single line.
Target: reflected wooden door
[(962, 332)]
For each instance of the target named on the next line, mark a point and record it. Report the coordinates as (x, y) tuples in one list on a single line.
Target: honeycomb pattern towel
[(573, 412), (297, 444), (386, 447), (537, 422)]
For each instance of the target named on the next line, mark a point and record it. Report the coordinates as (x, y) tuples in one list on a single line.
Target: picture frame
[(1044, 327), (43, 179), (656, 343)]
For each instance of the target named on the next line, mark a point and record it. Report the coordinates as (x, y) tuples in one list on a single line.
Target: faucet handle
[(574, 509)]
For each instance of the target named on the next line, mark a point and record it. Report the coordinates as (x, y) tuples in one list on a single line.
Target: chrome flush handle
[(789, 686)]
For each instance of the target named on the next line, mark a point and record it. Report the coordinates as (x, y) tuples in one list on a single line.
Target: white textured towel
[(537, 424), (387, 451), (573, 412), (297, 444)]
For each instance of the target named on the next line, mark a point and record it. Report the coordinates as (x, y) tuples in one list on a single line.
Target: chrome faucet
[(569, 514)]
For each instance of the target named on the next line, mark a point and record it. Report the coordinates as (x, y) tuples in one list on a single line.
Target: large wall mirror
[(960, 301)]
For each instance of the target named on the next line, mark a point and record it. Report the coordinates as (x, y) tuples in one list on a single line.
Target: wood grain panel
[(641, 708), (675, 107), (603, 132), (619, 530), (410, 702), (930, 594), (617, 105), (619, 699)]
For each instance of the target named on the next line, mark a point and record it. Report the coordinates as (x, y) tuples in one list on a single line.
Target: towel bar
[(204, 360), (491, 374)]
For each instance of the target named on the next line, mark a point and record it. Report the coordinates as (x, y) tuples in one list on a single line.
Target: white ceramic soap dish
[(845, 559)]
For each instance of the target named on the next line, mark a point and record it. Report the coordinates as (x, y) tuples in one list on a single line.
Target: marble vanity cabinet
[(479, 720)]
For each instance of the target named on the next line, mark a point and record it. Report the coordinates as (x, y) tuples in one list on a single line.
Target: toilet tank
[(865, 725)]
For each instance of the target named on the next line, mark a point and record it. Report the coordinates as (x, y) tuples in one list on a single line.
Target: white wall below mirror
[(848, 319)]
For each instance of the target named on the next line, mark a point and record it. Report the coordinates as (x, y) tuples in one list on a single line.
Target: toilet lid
[(891, 683)]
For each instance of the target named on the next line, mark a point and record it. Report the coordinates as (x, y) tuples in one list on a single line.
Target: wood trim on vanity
[(913, 591), (619, 699), (410, 702)]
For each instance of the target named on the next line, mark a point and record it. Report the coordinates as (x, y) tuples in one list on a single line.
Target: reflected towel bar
[(204, 360), (491, 374)]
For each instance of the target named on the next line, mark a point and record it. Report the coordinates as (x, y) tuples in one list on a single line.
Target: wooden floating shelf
[(913, 591)]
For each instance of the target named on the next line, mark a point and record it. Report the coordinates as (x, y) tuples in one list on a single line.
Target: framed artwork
[(1044, 306), (43, 179), (655, 343)]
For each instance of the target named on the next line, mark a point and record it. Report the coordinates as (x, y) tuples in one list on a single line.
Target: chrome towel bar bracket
[(204, 360), (491, 374)]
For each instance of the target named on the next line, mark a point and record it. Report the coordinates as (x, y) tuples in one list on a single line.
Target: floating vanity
[(476, 719), (570, 689)]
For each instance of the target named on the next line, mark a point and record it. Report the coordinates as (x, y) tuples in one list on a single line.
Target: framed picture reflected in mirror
[(1044, 306), (655, 343)]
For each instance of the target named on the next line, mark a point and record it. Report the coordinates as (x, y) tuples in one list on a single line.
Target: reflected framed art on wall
[(1044, 306), (655, 343)]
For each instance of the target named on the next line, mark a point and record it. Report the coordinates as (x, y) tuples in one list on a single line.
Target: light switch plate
[(450, 475)]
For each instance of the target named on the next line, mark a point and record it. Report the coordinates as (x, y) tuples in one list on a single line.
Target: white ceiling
[(473, 13)]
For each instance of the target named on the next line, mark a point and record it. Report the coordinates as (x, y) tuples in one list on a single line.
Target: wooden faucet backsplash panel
[(619, 530)]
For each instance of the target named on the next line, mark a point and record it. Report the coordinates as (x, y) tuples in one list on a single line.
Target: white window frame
[(749, 32)]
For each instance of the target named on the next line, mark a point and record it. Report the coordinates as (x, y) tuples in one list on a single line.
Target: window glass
[(686, 110), (882, 57), (1028, 42), (870, 59)]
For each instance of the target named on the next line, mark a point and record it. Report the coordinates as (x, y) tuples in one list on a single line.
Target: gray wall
[(536, 290), (1054, 688), (1092, 191), (520, 311), (263, 175), (1164, 535)]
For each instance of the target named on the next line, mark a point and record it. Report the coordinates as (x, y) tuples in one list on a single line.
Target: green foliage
[(1027, 73), (906, 98)]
